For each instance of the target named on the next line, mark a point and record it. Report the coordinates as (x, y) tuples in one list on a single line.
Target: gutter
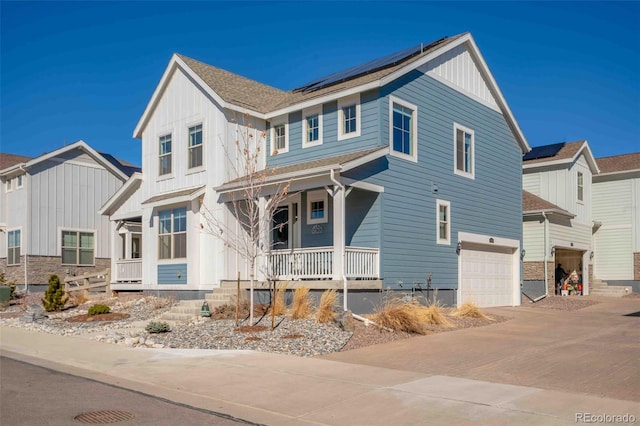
[(546, 267), (28, 229)]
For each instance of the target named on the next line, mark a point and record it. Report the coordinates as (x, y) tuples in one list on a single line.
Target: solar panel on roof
[(545, 151), (369, 67)]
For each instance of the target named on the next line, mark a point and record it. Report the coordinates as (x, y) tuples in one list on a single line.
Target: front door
[(280, 229)]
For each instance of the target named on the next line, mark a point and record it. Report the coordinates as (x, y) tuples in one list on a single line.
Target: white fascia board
[(589, 156), (484, 70), (547, 163), (364, 159), (277, 179), (174, 63), (124, 192), (11, 169), (566, 214), (612, 174), (322, 99), (84, 147), (484, 239), (125, 216)]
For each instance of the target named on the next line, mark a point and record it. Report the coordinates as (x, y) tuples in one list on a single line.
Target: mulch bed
[(112, 316)]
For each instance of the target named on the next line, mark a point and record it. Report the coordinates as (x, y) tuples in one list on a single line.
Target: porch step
[(186, 310)]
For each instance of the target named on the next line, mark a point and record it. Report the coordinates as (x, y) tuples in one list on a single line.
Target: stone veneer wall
[(534, 271), (636, 266), (40, 267)]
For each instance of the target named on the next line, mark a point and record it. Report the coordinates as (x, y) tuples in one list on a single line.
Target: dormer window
[(580, 186)]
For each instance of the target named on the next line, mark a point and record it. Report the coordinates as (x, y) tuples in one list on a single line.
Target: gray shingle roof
[(533, 204), (262, 98), (8, 160), (566, 152), (619, 163)]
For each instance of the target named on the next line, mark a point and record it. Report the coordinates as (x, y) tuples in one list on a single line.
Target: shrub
[(78, 297), (54, 298), (470, 310), (98, 309), (279, 306), (301, 307), (10, 284), (157, 327), (399, 316), (325, 309), (432, 314)]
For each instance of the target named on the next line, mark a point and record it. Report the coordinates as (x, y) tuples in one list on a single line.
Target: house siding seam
[(489, 204)]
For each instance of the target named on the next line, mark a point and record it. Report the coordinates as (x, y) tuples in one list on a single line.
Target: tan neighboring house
[(49, 221), (557, 204), (616, 206)]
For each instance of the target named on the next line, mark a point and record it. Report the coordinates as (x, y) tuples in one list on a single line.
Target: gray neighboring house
[(49, 221), (403, 171)]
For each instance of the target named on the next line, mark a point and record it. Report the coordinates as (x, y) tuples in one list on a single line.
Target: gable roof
[(559, 153), (619, 163), (121, 195), (124, 166), (533, 205), (109, 164), (244, 95), (8, 160)]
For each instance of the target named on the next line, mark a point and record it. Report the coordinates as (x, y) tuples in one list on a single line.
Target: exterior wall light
[(458, 248), (522, 253)]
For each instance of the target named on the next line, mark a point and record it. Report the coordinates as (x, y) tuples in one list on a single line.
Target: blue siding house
[(403, 173)]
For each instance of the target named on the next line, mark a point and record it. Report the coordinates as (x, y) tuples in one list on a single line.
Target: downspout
[(546, 268), (342, 233), (28, 229)]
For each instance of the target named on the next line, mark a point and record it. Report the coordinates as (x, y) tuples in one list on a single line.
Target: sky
[(86, 70)]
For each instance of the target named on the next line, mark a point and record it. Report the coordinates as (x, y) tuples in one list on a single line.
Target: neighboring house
[(49, 221), (616, 206), (404, 172), (557, 220)]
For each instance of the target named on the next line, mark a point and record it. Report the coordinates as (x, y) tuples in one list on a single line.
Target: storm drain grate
[(104, 417)]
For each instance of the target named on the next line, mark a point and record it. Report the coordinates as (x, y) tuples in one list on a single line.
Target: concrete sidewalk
[(286, 390)]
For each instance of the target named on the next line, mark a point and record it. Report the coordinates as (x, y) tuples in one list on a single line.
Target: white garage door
[(487, 276)]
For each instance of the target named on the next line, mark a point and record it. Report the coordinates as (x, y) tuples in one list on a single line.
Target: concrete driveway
[(595, 350)]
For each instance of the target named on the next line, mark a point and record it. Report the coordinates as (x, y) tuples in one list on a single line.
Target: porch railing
[(129, 270), (317, 263)]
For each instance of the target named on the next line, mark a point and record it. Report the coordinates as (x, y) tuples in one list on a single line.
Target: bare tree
[(253, 203)]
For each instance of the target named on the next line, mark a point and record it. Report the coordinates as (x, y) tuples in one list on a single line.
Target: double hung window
[(172, 234), (78, 248), (13, 247), (195, 146), (164, 167)]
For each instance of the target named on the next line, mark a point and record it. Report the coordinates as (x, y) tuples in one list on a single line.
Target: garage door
[(486, 277)]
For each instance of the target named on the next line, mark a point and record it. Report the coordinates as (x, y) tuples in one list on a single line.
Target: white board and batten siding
[(66, 195), (489, 272), (616, 207), (533, 240), (181, 106), (457, 69)]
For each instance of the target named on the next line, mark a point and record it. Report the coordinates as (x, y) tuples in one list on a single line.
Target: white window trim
[(272, 135), (95, 245), (414, 128), (346, 102), (316, 110), (171, 259), (439, 240), (319, 195), (19, 182), (196, 168), (471, 175), (8, 185), (157, 142), (578, 187), (7, 240)]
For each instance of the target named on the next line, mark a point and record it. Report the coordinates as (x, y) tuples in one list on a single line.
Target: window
[(443, 221), (463, 150), (77, 248), (312, 127), (195, 147), (403, 129), (19, 181), (317, 203), (13, 246), (349, 117), (279, 137), (165, 155), (172, 234), (580, 187), (8, 185)]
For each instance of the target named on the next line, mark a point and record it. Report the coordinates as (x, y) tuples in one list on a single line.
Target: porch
[(317, 263), (128, 271)]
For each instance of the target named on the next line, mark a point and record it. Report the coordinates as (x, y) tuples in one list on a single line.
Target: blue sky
[(86, 70)]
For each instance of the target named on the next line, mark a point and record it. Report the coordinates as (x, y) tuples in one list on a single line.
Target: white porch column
[(338, 232), (263, 240), (127, 245)]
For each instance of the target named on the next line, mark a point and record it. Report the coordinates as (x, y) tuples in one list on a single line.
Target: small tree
[(253, 204), (54, 298)]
